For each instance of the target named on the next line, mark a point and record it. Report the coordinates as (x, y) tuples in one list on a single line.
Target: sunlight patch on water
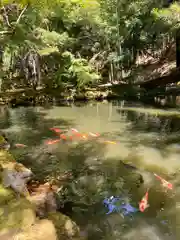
[(152, 159)]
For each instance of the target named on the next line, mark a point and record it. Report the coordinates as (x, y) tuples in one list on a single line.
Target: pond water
[(146, 137)]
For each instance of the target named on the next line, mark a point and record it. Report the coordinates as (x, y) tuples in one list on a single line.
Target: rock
[(18, 219), (13, 174), (4, 143), (5, 195), (44, 200), (41, 230), (65, 227), (5, 157), (16, 175), (16, 215)]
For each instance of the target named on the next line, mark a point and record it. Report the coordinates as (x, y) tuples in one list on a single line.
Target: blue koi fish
[(114, 205)]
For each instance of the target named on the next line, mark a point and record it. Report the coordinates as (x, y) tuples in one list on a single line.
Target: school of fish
[(143, 204)]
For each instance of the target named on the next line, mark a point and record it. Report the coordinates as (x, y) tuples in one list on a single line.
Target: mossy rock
[(2, 140), (65, 227), (90, 95), (5, 157), (41, 230), (17, 214), (6, 195), (4, 144)]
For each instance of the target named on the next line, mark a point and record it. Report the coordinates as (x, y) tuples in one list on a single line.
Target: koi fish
[(77, 133), (49, 142), (63, 136), (94, 134), (114, 205), (74, 130), (144, 202), (110, 142), (71, 137), (20, 145), (84, 136), (57, 130), (164, 182)]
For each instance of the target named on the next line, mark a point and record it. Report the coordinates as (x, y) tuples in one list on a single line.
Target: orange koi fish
[(84, 136), (57, 130), (143, 204), (71, 137), (49, 142), (63, 136), (164, 182), (20, 145)]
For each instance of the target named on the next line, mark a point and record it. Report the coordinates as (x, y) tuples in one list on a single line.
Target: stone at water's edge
[(6, 195), (41, 230), (66, 228), (18, 215), (15, 214)]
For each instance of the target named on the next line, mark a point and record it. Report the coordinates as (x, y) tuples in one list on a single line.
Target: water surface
[(147, 138)]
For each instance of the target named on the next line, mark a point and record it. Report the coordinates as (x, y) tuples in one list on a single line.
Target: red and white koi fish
[(74, 130), (94, 134), (20, 145), (143, 204), (57, 130), (50, 142), (164, 182)]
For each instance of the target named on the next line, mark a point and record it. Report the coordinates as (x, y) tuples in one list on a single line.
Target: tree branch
[(22, 12)]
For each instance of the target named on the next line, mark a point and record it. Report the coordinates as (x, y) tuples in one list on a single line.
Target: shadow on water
[(28, 125), (146, 122), (166, 129), (94, 176)]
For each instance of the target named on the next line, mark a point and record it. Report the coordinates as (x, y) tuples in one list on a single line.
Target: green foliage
[(76, 71), (169, 16), (67, 35)]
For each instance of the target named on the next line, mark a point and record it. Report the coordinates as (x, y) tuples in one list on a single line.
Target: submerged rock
[(66, 228)]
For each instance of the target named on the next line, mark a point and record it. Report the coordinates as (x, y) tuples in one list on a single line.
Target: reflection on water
[(146, 138)]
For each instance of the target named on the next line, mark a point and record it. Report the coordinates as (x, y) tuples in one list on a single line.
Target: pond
[(140, 136)]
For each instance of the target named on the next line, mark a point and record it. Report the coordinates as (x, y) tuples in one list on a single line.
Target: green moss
[(16, 215), (5, 195), (5, 157), (65, 227)]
